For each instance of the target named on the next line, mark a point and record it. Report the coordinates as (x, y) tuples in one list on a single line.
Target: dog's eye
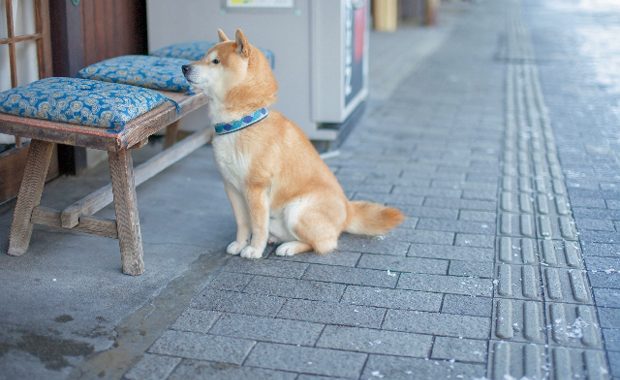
[(215, 61)]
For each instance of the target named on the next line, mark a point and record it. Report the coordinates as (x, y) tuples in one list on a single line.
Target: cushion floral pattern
[(159, 73), (80, 101), (196, 50)]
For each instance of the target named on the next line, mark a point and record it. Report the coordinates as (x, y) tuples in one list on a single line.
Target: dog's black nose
[(186, 69)]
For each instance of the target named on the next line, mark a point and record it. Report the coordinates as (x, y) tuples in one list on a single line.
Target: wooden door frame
[(14, 159)]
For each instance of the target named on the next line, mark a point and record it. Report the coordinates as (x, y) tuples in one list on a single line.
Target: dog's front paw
[(235, 248), (250, 252)]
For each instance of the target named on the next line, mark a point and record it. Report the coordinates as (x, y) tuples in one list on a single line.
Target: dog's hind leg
[(316, 227), (292, 248)]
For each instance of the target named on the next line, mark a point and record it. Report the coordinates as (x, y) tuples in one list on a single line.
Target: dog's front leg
[(241, 217), (258, 206)]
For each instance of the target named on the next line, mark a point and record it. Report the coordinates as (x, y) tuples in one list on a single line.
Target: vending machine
[(320, 49)]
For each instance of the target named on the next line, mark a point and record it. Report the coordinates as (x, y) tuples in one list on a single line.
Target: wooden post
[(385, 15), (430, 14), (126, 208), (172, 132), (29, 196)]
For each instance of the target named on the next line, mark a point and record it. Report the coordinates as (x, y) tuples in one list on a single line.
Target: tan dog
[(279, 188)]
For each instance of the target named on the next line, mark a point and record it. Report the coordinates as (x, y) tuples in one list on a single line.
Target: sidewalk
[(490, 275)]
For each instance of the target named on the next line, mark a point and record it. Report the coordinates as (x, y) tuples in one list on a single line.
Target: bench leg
[(29, 196), (172, 132), (126, 208)]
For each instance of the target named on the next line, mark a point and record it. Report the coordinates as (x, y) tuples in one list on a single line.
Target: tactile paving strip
[(545, 325)]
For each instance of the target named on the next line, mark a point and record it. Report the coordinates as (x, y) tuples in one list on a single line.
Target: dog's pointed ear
[(222, 35), (243, 46)]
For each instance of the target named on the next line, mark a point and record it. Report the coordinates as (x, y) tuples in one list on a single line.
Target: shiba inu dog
[(279, 188)]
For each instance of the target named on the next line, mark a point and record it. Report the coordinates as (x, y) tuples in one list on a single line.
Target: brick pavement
[(486, 278)]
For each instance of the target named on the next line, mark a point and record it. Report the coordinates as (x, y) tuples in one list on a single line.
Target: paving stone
[(196, 320), (310, 360), (354, 276), (318, 377), (231, 281), (613, 204), (607, 297), (595, 213), (375, 341), (600, 237), (194, 369), (438, 324), (370, 188), (267, 329), (234, 302), (446, 284), (557, 253), (478, 216), (332, 313), (609, 265), (266, 267), (201, 346), (398, 367), (467, 305), (481, 194), (470, 240), (517, 360), (403, 264), (391, 199), (152, 367), (468, 350), (519, 321), (614, 363), (431, 212), (427, 191), (393, 298), (292, 288), (518, 281), (587, 202), (574, 364), (348, 259), (455, 226), (566, 285), (595, 224), (451, 252), (612, 338), (573, 325), (518, 225), (460, 204), (609, 317), (462, 185), (604, 279), (600, 249), (471, 269), (372, 245), (429, 237)]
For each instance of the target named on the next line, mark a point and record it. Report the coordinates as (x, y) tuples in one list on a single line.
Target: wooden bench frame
[(124, 178)]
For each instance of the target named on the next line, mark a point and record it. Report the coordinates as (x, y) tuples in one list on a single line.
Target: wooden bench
[(124, 178)]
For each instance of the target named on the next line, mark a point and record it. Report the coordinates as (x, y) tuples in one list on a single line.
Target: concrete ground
[(496, 133)]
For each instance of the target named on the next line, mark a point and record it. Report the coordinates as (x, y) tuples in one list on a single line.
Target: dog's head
[(233, 71)]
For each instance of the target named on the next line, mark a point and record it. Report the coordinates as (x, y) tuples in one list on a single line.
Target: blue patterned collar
[(244, 122)]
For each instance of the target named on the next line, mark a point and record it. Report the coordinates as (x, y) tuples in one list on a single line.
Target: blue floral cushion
[(80, 101), (196, 50), (159, 73)]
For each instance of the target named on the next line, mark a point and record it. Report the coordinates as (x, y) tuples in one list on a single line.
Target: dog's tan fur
[(275, 179)]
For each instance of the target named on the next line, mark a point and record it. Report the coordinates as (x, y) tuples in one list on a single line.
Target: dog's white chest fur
[(233, 165)]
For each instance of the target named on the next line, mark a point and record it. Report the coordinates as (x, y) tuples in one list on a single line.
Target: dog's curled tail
[(367, 218)]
